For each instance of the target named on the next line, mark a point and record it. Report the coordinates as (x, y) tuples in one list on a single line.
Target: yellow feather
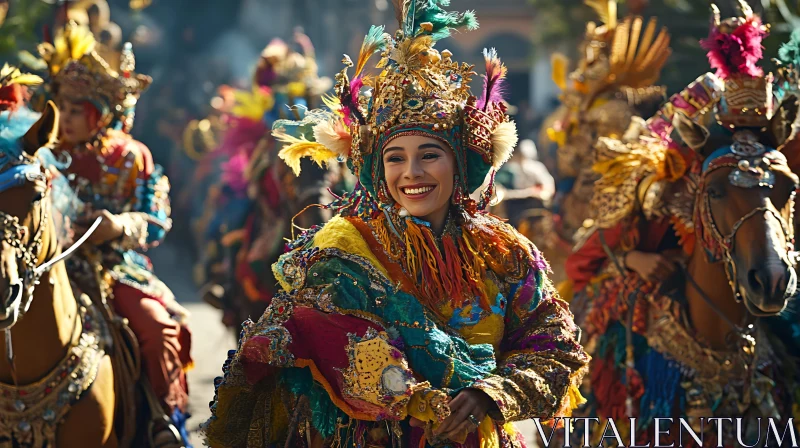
[(6, 70), (253, 104), (606, 10), (297, 148), (26, 79), (560, 66)]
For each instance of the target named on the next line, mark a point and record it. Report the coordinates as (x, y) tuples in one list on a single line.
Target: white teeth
[(417, 190)]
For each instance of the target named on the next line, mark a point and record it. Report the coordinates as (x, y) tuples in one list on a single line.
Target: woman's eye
[(430, 156), (394, 159)]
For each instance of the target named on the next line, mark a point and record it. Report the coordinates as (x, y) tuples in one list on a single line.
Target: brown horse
[(55, 373), (745, 213), (719, 344)]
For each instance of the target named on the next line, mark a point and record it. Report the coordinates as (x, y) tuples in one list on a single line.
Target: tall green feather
[(444, 22), (789, 53)]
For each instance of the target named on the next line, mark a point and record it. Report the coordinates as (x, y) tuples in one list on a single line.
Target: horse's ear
[(44, 132), (780, 125), (692, 134)]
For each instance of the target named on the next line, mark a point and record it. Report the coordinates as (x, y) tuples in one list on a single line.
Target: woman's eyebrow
[(430, 145), (392, 148)]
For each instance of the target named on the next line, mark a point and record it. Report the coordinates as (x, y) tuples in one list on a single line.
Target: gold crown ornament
[(622, 54), (419, 91), (734, 50), (78, 73)]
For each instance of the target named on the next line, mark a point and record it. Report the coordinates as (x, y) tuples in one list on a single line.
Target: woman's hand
[(468, 407), (110, 227), (652, 267)]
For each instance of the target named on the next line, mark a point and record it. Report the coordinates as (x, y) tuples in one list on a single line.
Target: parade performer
[(614, 82), (257, 195), (412, 318), (114, 175), (696, 336), (612, 85)]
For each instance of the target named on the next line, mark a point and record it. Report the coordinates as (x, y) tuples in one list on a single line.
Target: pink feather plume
[(494, 80), (350, 102), (737, 52)]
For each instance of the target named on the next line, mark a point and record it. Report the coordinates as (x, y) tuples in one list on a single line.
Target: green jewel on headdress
[(420, 91)]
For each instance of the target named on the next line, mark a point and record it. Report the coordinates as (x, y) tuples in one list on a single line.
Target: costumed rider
[(412, 318), (114, 175)]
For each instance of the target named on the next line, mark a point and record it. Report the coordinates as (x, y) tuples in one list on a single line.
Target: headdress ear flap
[(690, 133), (44, 132)]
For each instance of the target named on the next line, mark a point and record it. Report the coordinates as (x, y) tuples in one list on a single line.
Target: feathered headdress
[(14, 87), (734, 46), (79, 73), (735, 49), (419, 90), (789, 61)]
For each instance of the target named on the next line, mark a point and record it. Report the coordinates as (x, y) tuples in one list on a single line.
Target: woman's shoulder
[(506, 240), (339, 238), (118, 146)]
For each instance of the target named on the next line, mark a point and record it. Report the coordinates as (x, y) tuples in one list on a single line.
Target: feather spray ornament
[(738, 50), (493, 80), (789, 53)]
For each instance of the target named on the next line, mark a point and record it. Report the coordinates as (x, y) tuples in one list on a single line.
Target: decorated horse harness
[(30, 414)]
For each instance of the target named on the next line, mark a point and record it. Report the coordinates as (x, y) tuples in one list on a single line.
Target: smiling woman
[(413, 318), (419, 173)]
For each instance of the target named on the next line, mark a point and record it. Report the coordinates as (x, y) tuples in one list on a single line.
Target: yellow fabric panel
[(338, 233)]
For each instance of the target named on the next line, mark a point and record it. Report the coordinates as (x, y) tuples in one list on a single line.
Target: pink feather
[(350, 102), (233, 172), (738, 52), (493, 81)]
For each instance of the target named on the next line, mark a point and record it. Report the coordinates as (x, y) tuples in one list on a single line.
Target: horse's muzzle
[(768, 289)]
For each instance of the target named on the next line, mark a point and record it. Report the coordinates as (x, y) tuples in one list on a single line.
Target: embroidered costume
[(380, 319), (648, 361), (114, 172)]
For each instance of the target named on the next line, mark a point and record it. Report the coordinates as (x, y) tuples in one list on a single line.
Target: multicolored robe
[(348, 350), (117, 173)]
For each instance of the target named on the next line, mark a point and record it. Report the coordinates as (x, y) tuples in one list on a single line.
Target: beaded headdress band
[(419, 91)]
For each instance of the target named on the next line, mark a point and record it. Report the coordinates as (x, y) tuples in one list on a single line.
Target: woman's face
[(74, 123), (419, 173)]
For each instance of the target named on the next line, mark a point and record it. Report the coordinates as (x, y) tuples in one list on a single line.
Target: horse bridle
[(742, 163), (20, 294)]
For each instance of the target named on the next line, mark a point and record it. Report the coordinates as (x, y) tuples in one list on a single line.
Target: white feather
[(334, 136), (504, 139)]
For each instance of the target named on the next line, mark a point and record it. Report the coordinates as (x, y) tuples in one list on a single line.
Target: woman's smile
[(417, 192)]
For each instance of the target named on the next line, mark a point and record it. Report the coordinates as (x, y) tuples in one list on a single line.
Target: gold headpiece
[(419, 91), (79, 73), (624, 54)]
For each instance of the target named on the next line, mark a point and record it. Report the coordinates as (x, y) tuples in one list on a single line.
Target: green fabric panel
[(429, 352)]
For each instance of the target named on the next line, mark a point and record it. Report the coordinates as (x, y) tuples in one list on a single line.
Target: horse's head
[(23, 185), (744, 209)]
